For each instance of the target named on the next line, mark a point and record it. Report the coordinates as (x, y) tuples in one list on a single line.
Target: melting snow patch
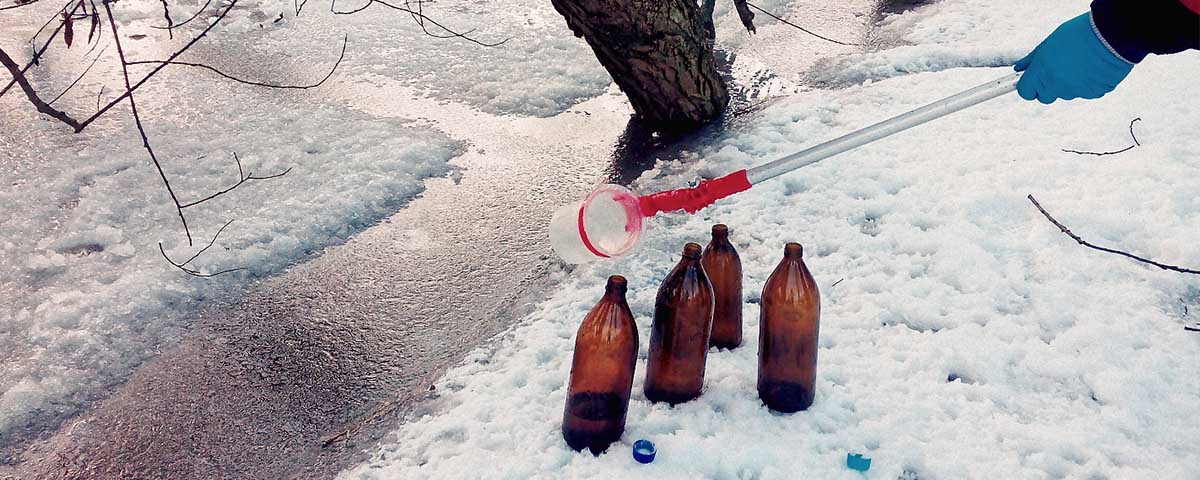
[(962, 335)]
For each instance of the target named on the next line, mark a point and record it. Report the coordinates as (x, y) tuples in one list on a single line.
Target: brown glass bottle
[(683, 313), (606, 349), (787, 335), (724, 270)]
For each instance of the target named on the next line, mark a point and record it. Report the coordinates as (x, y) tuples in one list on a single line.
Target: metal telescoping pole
[(938, 109)]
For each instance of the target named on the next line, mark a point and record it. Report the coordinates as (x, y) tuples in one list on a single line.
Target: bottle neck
[(615, 289)]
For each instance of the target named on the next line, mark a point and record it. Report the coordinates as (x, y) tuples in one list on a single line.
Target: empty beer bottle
[(606, 350), (683, 313), (787, 335), (724, 271)]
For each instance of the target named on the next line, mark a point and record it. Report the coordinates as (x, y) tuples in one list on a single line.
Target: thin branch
[(80, 77), (802, 29), (19, 5), (421, 21), (37, 53), (192, 271), (242, 179), (137, 119), (416, 14), (185, 22), (210, 244), (1136, 143), (146, 78), (42, 106), (744, 14), (1085, 243), (250, 82), (170, 23)]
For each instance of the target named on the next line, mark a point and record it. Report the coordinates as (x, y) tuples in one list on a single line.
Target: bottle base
[(595, 442), (672, 398), (725, 345), (604, 413), (785, 397)]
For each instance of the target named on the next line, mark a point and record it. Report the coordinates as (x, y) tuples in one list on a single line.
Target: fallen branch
[(1136, 143), (802, 29), (1085, 243)]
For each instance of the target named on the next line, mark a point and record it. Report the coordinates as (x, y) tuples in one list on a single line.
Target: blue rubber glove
[(1073, 62)]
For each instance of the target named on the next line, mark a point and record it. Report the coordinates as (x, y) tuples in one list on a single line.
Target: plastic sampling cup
[(605, 224)]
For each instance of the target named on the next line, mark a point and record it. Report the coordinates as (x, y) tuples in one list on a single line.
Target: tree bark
[(658, 52)]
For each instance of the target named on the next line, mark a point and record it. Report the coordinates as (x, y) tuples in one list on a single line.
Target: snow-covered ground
[(963, 336)]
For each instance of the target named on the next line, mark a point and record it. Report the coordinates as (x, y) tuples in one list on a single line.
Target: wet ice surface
[(252, 384)]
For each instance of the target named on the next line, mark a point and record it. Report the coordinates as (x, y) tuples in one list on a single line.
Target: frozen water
[(87, 297)]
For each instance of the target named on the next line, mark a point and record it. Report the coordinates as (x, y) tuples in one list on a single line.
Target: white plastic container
[(606, 224)]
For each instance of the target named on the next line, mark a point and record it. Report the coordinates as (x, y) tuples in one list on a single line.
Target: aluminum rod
[(935, 110)]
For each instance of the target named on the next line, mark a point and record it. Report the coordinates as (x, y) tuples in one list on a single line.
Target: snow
[(962, 336), (88, 297), (536, 72)]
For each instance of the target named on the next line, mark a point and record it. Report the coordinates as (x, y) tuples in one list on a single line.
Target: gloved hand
[(1073, 62)]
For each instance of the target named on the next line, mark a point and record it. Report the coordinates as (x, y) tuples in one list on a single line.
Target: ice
[(963, 336), (537, 72), (86, 295)]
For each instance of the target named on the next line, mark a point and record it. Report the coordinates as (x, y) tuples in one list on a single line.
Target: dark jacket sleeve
[(1136, 28)]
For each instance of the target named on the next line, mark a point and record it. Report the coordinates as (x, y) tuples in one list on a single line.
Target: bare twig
[(419, 18), (80, 77), (416, 14), (19, 4), (837, 282), (241, 179), (37, 53), (802, 29), (192, 271), (185, 22), (137, 120), (170, 23), (1136, 143), (146, 78), (250, 82), (23, 82), (744, 14), (1085, 243)]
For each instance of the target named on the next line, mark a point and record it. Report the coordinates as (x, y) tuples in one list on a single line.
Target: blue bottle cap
[(855, 461), (643, 451)]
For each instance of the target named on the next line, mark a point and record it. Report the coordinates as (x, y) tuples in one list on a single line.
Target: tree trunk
[(658, 52)]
